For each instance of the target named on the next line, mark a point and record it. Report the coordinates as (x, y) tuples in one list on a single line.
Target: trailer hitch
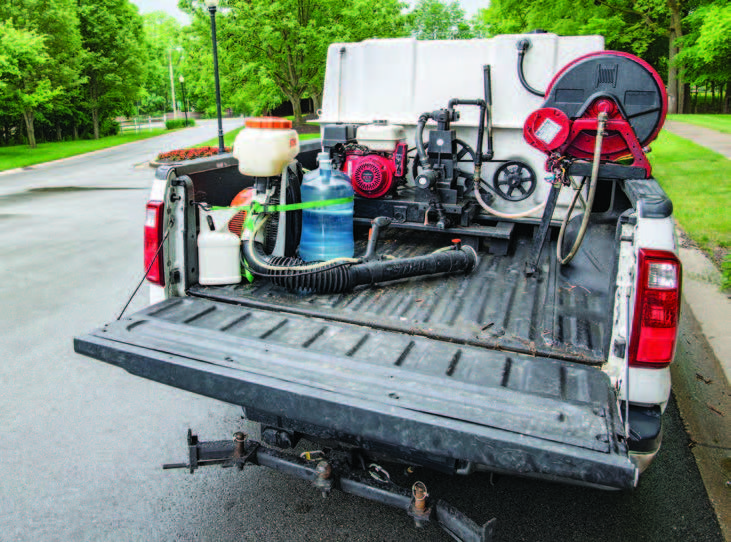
[(327, 474)]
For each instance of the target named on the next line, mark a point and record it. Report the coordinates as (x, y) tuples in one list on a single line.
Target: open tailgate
[(510, 412)]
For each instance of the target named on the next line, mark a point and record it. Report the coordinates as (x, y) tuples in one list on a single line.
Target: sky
[(168, 6), (171, 7)]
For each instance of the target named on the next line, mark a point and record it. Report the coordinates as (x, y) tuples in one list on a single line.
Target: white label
[(548, 131)]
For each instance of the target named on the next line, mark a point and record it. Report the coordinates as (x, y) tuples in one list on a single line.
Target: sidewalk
[(710, 139), (701, 279)]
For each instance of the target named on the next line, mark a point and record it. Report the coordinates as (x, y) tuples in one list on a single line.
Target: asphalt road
[(81, 443)]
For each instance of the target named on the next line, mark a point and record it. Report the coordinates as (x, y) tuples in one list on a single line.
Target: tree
[(706, 48), (49, 79), (113, 38), (628, 25), (23, 58), (282, 45), (163, 43), (436, 20)]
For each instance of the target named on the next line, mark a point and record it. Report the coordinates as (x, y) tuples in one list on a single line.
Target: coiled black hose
[(346, 276)]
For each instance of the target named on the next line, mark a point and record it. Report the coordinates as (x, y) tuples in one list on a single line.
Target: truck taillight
[(657, 309), (153, 238)]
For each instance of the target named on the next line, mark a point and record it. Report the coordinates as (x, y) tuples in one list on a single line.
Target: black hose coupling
[(377, 224)]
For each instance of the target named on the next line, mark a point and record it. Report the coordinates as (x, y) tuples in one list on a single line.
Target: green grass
[(228, 138), (722, 123), (22, 155), (699, 183)]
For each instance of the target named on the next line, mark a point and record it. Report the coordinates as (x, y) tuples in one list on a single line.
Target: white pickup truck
[(487, 355)]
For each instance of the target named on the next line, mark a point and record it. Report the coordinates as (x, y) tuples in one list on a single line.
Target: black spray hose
[(523, 45), (489, 154), (421, 123), (345, 277)]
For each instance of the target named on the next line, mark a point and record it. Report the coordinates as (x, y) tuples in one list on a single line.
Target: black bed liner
[(507, 411), (561, 312)]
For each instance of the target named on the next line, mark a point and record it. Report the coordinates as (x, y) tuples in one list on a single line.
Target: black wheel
[(464, 155), (514, 181)]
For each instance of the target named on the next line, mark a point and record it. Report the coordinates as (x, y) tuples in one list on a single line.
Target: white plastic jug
[(218, 253), (265, 146)]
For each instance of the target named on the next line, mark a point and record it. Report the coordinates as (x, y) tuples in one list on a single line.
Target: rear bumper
[(645, 435), (496, 427)]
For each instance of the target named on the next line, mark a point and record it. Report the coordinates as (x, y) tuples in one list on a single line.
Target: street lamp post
[(172, 84), (172, 80), (212, 5), (185, 105)]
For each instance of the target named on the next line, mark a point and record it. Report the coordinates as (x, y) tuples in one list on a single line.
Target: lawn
[(228, 138), (699, 183), (22, 155), (722, 123)]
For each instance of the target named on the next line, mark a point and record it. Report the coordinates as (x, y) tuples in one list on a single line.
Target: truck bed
[(559, 312), (493, 369)]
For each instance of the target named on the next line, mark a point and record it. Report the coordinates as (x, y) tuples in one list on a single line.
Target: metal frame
[(327, 474)]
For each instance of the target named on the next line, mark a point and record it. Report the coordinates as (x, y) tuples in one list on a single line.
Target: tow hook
[(239, 447), (420, 509), (323, 481)]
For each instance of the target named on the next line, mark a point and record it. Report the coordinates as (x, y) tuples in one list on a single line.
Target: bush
[(188, 154), (171, 124), (108, 127)]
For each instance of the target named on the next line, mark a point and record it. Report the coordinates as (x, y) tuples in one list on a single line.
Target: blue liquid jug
[(327, 232)]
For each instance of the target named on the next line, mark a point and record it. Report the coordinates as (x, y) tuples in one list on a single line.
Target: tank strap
[(258, 208)]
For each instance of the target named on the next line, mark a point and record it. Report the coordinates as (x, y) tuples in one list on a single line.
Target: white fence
[(141, 124)]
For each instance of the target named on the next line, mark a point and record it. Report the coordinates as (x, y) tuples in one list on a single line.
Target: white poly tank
[(265, 146), (218, 254)]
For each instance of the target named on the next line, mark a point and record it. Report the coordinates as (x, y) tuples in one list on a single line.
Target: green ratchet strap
[(256, 208)]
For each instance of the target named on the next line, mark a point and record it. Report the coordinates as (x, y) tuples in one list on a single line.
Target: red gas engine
[(372, 155), (374, 173)]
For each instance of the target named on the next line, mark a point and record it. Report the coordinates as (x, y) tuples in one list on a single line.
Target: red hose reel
[(621, 85)]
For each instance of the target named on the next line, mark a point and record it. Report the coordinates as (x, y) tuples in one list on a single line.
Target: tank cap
[(269, 123), (380, 122), (322, 156)]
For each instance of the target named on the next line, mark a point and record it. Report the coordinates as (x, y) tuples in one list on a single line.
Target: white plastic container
[(265, 146), (218, 254), (380, 136)]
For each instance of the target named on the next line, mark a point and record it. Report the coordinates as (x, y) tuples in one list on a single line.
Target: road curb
[(710, 306), (704, 401), (90, 153), (61, 160)]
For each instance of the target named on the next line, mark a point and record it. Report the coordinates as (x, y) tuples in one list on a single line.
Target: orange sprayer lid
[(269, 123)]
